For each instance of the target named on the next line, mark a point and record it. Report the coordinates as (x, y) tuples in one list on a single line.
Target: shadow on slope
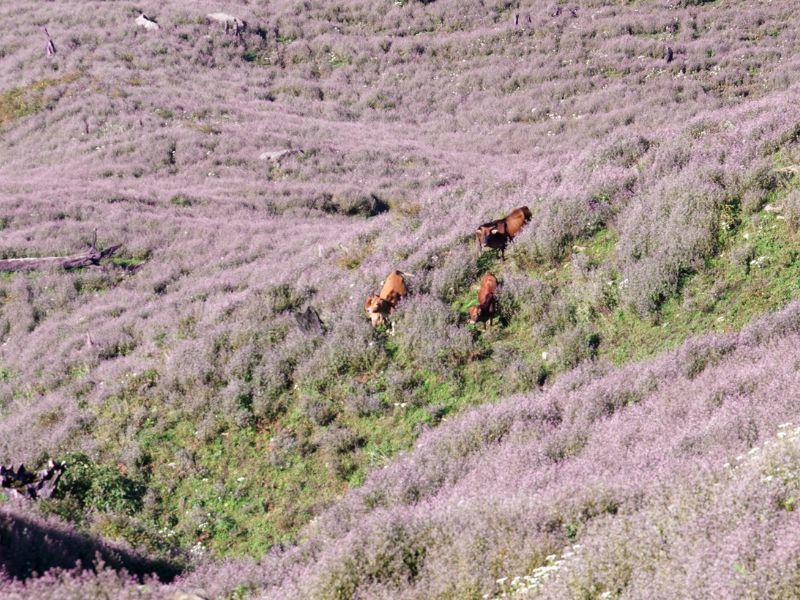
[(31, 546)]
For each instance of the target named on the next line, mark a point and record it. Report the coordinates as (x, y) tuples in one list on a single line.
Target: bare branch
[(92, 257)]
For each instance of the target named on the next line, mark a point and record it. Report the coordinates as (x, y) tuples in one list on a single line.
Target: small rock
[(276, 155), (229, 21), (185, 596), (310, 321), (144, 21), (221, 17)]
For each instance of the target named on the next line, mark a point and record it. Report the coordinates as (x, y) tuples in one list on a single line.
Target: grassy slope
[(755, 271), (250, 499)]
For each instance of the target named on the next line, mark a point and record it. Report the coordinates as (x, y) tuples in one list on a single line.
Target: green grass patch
[(22, 101), (126, 262), (181, 200), (757, 271)]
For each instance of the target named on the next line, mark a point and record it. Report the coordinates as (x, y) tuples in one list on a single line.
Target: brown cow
[(497, 234), (516, 220), (492, 235), (379, 307), (487, 301)]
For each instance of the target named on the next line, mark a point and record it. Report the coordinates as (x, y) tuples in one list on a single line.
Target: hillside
[(676, 477), (251, 175)]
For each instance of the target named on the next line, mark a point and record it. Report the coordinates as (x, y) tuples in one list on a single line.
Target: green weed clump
[(22, 101)]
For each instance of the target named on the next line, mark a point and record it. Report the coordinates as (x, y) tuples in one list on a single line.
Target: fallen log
[(92, 257), (51, 47), (19, 483)]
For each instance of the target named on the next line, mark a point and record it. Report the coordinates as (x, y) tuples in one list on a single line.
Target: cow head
[(474, 314), (372, 303), (376, 308), (492, 234), (483, 232), (377, 319)]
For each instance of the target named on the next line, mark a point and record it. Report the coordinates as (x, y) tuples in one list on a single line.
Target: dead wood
[(19, 483), (92, 257)]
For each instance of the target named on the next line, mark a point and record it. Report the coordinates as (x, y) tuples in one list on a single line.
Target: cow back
[(488, 289), (516, 220), (394, 288)]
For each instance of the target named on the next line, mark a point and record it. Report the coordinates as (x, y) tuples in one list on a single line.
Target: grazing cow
[(379, 306), (497, 234), (487, 301), (492, 235)]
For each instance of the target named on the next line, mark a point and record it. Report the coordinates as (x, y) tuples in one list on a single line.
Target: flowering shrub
[(573, 346), (349, 350), (524, 299), (428, 336), (292, 164), (455, 276), (659, 251), (522, 585)]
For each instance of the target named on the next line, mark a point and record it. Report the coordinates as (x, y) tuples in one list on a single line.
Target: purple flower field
[(295, 157), (674, 477)]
